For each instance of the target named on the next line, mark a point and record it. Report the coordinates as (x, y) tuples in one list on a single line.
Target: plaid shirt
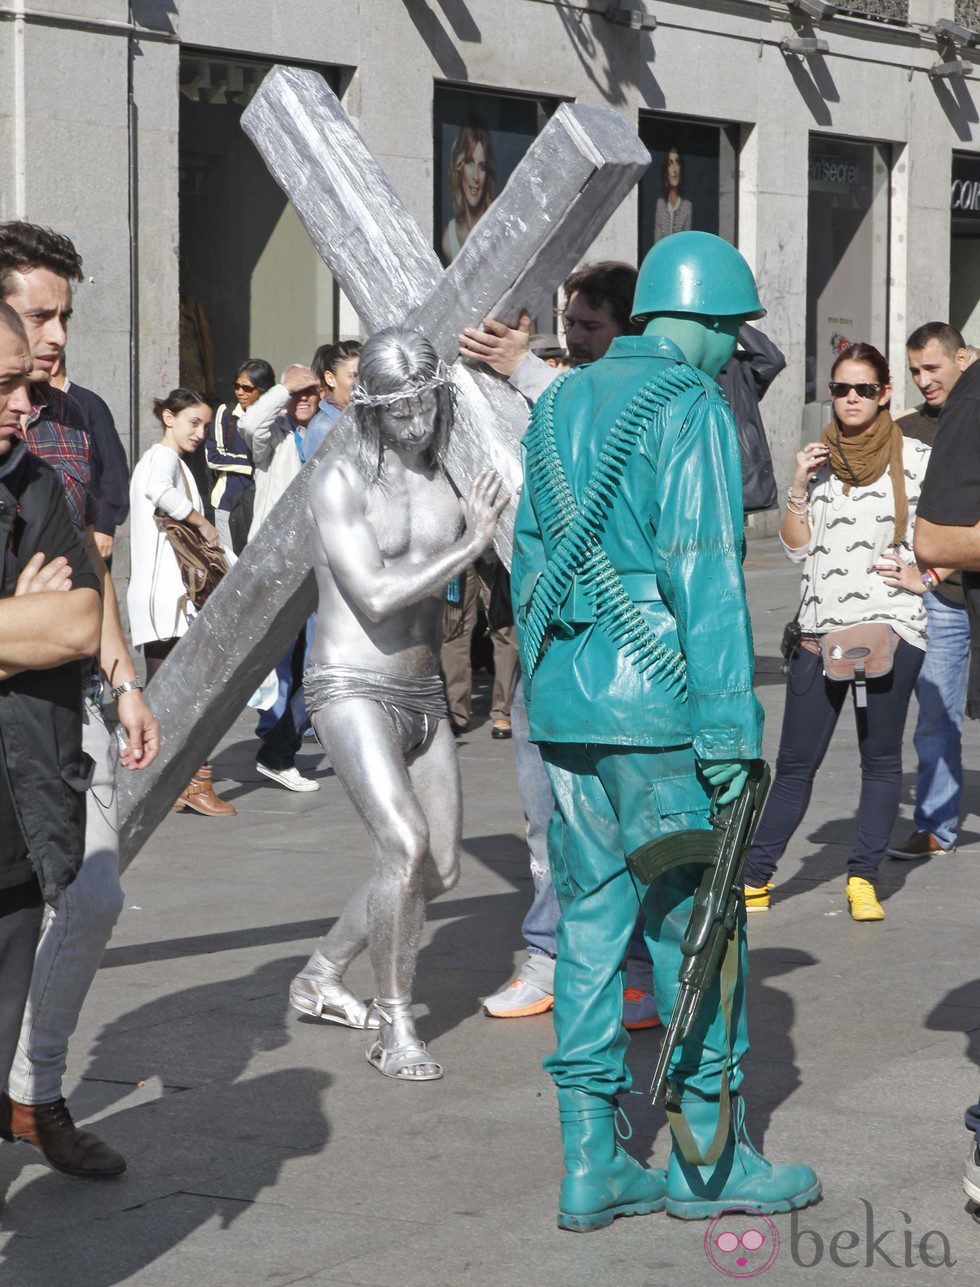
[(55, 433)]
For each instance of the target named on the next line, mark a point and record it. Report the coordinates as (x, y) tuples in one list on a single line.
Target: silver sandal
[(315, 992), (396, 1061)]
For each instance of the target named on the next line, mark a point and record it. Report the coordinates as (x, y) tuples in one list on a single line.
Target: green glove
[(719, 772)]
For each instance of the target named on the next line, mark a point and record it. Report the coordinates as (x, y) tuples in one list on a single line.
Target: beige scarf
[(861, 460)]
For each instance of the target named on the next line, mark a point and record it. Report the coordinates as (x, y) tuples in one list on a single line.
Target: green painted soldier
[(638, 663)]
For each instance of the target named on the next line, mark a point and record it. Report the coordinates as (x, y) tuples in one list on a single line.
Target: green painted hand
[(730, 774)]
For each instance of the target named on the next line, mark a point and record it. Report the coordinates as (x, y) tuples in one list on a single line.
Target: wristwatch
[(930, 581), (130, 686)]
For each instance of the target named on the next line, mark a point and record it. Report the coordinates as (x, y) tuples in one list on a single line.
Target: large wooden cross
[(555, 203)]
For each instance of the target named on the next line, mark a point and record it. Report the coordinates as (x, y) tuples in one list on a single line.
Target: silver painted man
[(390, 531)]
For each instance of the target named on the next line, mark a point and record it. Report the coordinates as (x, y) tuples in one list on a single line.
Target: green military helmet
[(696, 272)]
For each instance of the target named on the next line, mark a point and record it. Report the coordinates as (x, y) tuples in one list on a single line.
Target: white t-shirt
[(156, 586)]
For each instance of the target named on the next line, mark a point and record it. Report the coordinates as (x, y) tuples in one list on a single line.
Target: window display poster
[(847, 253), (480, 138), (691, 181)]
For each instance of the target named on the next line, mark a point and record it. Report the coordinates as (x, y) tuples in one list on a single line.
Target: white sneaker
[(529, 992), (291, 778)]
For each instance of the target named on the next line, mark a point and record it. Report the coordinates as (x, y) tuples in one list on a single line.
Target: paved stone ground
[(263, 1150)]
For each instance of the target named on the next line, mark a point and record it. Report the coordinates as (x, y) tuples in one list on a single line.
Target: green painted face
[(706, 342), (720, 343)]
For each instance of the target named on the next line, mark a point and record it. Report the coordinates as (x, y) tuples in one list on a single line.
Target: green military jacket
[(673, 535)]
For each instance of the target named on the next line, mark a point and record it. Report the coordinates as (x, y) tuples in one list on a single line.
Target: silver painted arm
[(338, 502)]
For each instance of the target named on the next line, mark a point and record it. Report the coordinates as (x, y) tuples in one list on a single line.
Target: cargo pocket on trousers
[(682, 803)]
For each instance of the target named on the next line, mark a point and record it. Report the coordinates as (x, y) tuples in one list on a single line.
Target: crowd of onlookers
[(851, 517)]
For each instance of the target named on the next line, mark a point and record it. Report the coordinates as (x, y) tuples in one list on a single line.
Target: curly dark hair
[(607, 282), (24, 246)]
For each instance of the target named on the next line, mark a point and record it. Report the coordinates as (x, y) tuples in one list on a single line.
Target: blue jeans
[(284, 739), (813, 706), (286, 674), (972, 1120), (541, 922), (941, 691)]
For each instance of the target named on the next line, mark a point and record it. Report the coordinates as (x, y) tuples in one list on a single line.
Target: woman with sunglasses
[(849, 519), (230, 459)]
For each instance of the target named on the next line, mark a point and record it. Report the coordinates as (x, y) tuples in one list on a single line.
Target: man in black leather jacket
[(50, 619)]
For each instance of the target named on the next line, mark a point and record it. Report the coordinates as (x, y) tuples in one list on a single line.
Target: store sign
[(964, 194), (834, 171)]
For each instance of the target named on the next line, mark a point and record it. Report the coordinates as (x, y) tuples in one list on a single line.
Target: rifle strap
[(693, 1156)]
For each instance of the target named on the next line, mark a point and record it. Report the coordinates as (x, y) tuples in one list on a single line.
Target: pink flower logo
[(740, 1244)]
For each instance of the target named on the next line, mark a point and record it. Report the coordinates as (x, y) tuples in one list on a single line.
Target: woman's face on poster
[(475, 177), (673, 168)]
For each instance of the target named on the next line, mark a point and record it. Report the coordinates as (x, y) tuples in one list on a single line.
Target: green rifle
[(714, 916)]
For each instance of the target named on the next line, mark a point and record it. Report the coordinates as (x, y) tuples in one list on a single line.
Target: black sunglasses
[(245, 388), (838, 389)]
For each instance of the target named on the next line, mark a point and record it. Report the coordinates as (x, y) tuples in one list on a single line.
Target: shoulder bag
[(201, 565)]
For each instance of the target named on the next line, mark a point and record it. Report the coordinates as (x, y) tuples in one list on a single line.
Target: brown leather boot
[(199, 795), (49, 1128)]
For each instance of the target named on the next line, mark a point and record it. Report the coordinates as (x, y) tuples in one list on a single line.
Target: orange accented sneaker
[(530, 992), (639, 1010)]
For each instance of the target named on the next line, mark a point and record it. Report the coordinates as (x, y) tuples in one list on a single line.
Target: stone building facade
[(840, 150)]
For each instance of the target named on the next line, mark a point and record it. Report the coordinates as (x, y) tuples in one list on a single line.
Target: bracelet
[(130, 686), (800, 500)]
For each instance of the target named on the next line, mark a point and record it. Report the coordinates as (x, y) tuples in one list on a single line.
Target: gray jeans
[(76, 930)]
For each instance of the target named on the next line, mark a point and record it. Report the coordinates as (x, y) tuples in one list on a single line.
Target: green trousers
[(608, 801)]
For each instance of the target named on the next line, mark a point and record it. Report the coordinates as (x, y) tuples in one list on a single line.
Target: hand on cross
[(501, 347)]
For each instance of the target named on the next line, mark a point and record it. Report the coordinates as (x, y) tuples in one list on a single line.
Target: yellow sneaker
[(758, 898), (863, 900)]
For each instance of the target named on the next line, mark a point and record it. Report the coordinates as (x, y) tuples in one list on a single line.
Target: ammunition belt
[(574, 530)]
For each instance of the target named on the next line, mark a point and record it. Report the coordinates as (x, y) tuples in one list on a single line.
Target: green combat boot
[(603, 1181), (740, 1180)]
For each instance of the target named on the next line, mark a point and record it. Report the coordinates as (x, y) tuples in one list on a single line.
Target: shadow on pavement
[(194, 1156)]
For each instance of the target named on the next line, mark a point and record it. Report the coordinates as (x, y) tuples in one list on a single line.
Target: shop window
[(964, 248), (251, 281), (480, 138), (847, 253), (692, 182)]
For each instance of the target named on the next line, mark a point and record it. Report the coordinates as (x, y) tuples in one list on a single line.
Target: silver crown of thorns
[(441, 376)]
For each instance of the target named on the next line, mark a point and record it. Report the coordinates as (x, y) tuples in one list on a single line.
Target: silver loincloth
[(410, 703)]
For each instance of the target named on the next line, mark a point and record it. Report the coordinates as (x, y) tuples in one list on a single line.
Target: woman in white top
[(159, 613), (849, 522)]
